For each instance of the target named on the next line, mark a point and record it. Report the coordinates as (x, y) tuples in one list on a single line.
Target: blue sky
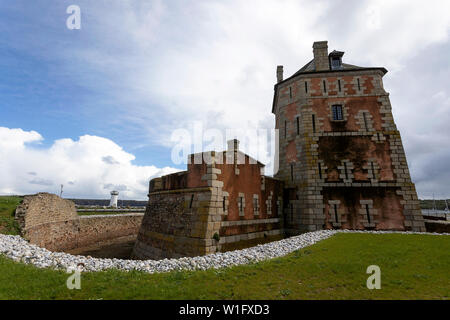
[(138, 70)]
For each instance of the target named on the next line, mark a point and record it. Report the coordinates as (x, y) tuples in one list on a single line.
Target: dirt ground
[(119, 248)]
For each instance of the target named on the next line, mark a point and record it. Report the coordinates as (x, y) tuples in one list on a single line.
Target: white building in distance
[(114, 197)]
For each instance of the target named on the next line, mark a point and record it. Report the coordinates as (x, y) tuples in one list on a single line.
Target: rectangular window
[(324, 86), (306, 87), (314, 123), (256, 206), (298, 125), (285, 129), (269, 206), (339, 85), (365, 121), (292, 172), (359, 85), (320, 170), (241, 205), (290, 92), (336, 63), (192, 200), (337, 112)]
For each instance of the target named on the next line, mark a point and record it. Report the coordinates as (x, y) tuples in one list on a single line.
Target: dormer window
[(336, 59), (336, 63)]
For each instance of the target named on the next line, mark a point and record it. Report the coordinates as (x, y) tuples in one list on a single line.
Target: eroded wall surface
[(53, 223)]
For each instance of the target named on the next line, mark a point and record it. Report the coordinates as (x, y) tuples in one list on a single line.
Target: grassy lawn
[(7, 207), (412, 267)]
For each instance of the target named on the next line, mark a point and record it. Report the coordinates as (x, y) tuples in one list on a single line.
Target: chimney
[(320, 50), (279, 73), (233, 145)]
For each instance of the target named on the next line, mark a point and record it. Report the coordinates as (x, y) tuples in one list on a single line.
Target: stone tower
[(340, 153)]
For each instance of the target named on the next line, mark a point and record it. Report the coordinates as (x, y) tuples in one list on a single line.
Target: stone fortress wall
[(53, 223), (220, 203)]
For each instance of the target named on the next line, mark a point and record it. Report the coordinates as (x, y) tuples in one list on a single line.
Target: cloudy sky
[(94, 109)]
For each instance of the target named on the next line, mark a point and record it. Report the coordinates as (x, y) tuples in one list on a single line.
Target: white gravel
[(17, 249)]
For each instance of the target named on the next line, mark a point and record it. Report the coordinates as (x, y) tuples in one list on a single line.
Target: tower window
[(339, 85), (306, 87), (314, 123), (324, 86), (192, 200), (285, 129), (292, 172), (298, 125), (290, 92), (359, 85), (337, 112)]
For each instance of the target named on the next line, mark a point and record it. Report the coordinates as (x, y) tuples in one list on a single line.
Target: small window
[(191, 202), (339, 85), (241, 205), (269, 206), (337, 112), (256, 206), (298, 125), (336, 63), (306, 87), (324, 86)]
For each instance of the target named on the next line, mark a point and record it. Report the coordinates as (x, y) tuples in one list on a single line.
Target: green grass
[(412, 267), (8, 205), (428, 204)]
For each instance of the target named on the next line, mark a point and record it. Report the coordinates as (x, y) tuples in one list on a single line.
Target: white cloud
[(79, 165)]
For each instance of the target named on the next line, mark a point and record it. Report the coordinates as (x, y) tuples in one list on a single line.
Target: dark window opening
[(292, 172), (378, 136), (320, 170), (345, 171), (298, 125), (223, 204), (306, 87), (290, 92), (373, 170), (314, 122), (367, 213), (336, 213), (365, 121), (324, 86), (359, 85), (285, 129), (339, 85), (337, 112), (192, 200)]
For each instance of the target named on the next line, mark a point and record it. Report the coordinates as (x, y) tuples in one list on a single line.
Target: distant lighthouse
[(114, 197)]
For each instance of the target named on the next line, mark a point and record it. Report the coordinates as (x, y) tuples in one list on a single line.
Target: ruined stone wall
[(53, 223)]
